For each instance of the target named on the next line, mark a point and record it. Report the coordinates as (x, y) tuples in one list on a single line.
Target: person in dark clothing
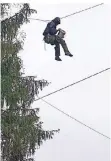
[(52, 36)]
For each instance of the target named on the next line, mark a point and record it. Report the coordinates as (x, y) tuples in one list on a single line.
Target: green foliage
[(21, 128)]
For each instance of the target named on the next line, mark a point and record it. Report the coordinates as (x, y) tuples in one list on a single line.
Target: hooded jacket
[(51, 27)]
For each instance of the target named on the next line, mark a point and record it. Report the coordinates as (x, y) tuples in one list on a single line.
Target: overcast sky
[(88, 40)]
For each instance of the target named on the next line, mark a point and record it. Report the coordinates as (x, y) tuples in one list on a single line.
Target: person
[(52, 37)]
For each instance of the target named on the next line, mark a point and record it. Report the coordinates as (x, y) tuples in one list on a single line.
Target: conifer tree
[(21, 128)]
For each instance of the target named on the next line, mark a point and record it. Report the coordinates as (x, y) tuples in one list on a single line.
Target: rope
[(71, 13), (72, 84), (82, 10), (39, 19), (44, 46), (71, 117)]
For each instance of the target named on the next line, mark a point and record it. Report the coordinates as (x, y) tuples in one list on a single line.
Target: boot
[(68, 54), (58, 59), (65, 48)]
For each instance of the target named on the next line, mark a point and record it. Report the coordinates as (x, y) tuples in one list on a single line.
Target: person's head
[(57, 20)]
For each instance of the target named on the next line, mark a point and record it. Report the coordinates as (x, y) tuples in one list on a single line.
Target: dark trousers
[(57, 41)]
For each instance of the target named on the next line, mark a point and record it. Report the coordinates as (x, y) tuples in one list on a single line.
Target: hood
[(57, 20)]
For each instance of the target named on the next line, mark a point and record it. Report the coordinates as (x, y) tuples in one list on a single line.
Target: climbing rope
[(71, 117), (73, 84), (77, 12)]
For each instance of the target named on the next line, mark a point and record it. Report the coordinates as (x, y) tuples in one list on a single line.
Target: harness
[(50, 39)]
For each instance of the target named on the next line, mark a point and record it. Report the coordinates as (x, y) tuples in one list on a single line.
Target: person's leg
[(57, 51), (64, 46), (51, 39)]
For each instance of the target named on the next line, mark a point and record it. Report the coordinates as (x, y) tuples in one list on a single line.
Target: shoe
[(68, 54), (58, 59)]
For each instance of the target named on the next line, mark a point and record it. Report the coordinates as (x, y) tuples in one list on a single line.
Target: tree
[(21, 128)]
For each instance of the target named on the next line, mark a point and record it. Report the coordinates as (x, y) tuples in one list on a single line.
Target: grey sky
[(88, 39)]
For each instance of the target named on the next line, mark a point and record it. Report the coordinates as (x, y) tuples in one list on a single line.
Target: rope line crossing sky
[(66, 114), (73, 84), (70, 14), (71, 117)]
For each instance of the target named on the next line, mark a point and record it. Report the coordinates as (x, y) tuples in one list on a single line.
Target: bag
[(61, 33), (49, 39)]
